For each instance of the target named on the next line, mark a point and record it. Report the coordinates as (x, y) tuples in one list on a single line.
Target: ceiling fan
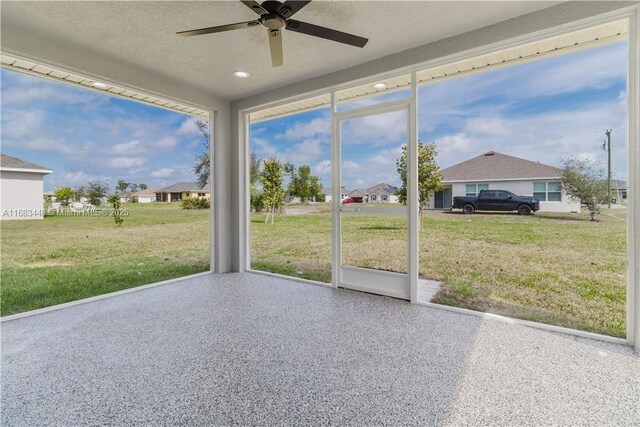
[(276, 16)]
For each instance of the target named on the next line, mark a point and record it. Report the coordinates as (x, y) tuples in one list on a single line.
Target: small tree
[(95, 191), (115, 203), (272, 191), (429, 176), (143, 186), (254, 168), (202, 165), (63, 194), (582, 182)]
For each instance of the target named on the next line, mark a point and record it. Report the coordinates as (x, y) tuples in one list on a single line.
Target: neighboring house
[(619, 191), (146, 196), (497, 171), (181, 190), (379, 193), (344, 194), (22, 188)]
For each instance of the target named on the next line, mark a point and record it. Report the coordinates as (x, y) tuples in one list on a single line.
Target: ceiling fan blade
[(325, 33), (275, 45), (218, 29), (294, 6), (255, 6)]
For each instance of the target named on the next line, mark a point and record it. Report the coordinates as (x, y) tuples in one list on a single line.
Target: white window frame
[(546, 191), (633, 139)]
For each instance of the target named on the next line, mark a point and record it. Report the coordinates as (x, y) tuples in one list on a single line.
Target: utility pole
[(607, 146)]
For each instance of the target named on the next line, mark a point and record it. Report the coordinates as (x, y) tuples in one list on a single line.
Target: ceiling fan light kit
[(276, 17)]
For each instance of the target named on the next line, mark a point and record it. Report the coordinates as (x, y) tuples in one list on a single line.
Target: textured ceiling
[(142, 34)]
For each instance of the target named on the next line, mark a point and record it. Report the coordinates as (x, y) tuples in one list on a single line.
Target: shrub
[(195, 203)]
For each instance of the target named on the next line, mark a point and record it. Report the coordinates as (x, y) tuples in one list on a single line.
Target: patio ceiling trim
[(12, 62), (581, 39)]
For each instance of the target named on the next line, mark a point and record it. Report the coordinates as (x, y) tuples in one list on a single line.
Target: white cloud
[(20, 123), (301, 130), (126, 162), (166, 142), (162, 173), (495, 126), (131, 147), (189, 126)]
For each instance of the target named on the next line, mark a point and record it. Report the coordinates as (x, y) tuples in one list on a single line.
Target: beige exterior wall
[(21, 195)]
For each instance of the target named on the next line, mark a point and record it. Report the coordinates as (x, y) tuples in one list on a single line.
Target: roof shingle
[(7, 161), (493, 165)]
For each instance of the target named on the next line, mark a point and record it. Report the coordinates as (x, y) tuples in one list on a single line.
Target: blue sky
[(543, 110), (84, 135)]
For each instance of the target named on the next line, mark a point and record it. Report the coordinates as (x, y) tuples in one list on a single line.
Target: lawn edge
[(529, 323), (99, 297)]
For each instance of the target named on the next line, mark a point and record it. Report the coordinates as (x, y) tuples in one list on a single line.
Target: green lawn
[(60, 259), (554, 268)]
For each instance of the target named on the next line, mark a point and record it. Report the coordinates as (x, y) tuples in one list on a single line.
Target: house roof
[(617, 184), (146, 192), (180, 187), (493, 165), (383, 186), (13, 163)]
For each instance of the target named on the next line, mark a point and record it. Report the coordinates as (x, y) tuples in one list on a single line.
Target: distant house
[(379, 193), (146, 196), (22, 188), (497, 171), (181, 190), (344, 193), (619, 191)]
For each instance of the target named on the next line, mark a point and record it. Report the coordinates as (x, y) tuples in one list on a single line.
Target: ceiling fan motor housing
[(273, 21)]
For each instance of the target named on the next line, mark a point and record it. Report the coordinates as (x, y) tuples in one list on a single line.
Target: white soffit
[(590, 37), (29, 67)]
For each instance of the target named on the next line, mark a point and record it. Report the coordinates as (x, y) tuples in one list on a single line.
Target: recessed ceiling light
[(380, 86), (241, 74), (99, 85)]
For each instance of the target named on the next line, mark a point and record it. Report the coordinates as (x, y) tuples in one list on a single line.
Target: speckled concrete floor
[(247, 349)]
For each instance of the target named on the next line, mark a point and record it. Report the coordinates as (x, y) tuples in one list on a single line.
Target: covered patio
[(233, 347), (246, 349)]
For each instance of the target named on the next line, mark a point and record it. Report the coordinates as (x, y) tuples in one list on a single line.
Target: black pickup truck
[(496, 200)]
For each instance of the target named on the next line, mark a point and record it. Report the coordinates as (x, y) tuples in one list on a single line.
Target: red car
[(347, 201)]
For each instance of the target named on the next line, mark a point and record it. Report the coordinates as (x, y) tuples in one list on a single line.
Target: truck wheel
[(524, 210), (468, 209)]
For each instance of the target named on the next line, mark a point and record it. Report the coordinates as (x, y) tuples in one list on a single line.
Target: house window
[(384, 197), (201, 195), (474, 189), (373, 197), (547, 191)]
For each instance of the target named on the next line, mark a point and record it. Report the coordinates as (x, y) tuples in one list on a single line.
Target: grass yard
[(60, 259), (559, 269), (553, 268)]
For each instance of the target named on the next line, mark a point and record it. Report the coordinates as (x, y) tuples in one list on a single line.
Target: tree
[(121, 186), (143, 186), (202, 166), (272, 191), (254, 168), (581, 181), (79, 193), (95, 191), (63, 194), (303, 184), (115, 203), (255, 194), (429, 176)]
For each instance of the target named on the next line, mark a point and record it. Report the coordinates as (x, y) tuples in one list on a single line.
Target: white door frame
[(399, 285)]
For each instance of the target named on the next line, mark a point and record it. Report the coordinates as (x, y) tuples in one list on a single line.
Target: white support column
[(222, 212), (633, 207), (336, 195), (413, 198)]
